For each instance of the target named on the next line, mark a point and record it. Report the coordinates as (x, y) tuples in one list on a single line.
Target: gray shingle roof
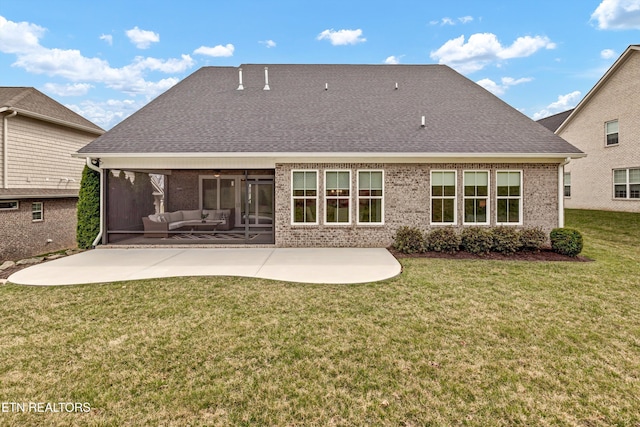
[(553, 122), (36, 193), (360, 112), (34, 101)]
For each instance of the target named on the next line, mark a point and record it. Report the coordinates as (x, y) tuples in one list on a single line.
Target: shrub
[(88, 208), (566, 241), (532, 239), (505, 240), (476, 240), (443, 239), (409, 240)]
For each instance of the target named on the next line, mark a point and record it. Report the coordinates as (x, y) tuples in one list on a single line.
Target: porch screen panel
[(304, 196), (209, 194)]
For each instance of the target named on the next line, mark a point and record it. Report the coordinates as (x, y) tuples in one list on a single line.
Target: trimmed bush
[(476, 240), (505, 240), (444, 239), (88, 208), (409, 240), (532, 239), (566, 241)]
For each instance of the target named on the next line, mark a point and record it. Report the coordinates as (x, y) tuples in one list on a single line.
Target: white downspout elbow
[(100, 232), (561, 191)]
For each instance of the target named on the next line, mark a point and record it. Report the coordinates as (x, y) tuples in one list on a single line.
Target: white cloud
[(342, 37), (22, 39), (449, 21), (505, 83), (617, 15), (108, 38), (482, 49), (608, 54), (142, 38), (564, 103), (18, 37), (392, 60), (76, 89), (216, 51), (107, 114), (268, 43)]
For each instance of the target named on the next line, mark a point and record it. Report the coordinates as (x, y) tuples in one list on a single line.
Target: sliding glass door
[(257, 209)]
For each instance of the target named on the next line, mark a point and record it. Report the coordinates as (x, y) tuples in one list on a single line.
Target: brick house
[(39, 179), (328, 155), (605, 125)]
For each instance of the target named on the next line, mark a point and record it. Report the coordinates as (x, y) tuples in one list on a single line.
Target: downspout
[(91, 166), (5, 147), (561, 191)]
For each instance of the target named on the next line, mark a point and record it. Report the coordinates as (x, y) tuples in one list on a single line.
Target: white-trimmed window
[(37, 211), (626, 183), (8, 205), (370, 197), (443, 197), (509, 197), (304, 197), (337, 197), (611, 132), (567, 184), (476, 197)]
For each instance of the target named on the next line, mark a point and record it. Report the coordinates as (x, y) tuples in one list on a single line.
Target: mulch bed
[(543, 255)]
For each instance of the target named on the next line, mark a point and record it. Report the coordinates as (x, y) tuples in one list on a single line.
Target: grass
[(446, 343)]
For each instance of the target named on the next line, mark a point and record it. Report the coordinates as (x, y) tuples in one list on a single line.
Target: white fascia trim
[(53, 120), (350, 155)]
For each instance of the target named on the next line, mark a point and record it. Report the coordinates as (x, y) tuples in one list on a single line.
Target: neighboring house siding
[(592, 176), (407, 201), (21, 237), (40, 154), (2, 150)]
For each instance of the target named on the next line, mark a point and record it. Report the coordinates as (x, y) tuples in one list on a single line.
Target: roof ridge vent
[(240, 87), (266, 79)]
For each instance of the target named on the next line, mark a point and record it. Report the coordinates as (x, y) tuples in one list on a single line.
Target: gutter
[(91, 166), (5, 145), (561, 191)]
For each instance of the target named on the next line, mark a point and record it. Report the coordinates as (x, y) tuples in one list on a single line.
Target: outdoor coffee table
[(207, 223)]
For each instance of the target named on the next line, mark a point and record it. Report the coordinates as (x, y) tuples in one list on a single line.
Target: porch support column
[(246, 206)]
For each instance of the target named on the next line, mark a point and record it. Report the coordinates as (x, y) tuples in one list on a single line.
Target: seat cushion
[(192, 215)]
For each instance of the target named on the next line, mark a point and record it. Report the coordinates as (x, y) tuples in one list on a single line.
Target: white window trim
[(606, 134), (455, 198), (488, 221), (357, 198), (41, 210), (520, 198), (11, 209), (627, 184), (349, 198), (292, 205)]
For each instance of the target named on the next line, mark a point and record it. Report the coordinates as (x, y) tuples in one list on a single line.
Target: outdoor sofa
[(159, 225)]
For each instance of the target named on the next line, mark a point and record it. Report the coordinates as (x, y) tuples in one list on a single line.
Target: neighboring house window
[(626, 183), (611, 130), (8, 205), (476, 197), (370, 197), (337, 189), (567, 184), (304, 198), (443, 197), (37, 211), (509, 197)]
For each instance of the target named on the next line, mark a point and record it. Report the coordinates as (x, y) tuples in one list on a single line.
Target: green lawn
[(447, 343)]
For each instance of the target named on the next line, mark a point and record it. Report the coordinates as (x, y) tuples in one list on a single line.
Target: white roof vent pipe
[(326, 86), (423, 122), (240, 87), (396, 85), (266, 79)]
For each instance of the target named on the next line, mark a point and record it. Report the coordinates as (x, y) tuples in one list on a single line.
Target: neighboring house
[(606, 126), (39, 179), (327, 155)]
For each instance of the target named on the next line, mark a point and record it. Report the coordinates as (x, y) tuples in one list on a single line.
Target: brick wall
[(21, 237), (406, 201), (592, 176)]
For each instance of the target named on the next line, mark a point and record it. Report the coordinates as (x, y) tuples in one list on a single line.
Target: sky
[(107, 59)]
